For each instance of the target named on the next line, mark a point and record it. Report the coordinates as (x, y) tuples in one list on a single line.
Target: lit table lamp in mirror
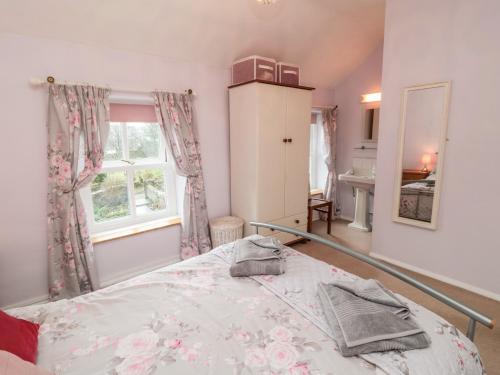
[(426, 160)]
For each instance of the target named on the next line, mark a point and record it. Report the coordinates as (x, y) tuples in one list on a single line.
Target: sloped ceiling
[(327, 38)]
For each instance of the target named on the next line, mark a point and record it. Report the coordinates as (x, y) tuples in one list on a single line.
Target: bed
[(193, 318), (416, 200)]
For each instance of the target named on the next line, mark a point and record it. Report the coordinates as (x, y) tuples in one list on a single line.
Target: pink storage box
[(288, 74), (254, 67)]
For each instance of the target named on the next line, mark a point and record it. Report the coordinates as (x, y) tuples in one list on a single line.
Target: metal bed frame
[(474, 316)]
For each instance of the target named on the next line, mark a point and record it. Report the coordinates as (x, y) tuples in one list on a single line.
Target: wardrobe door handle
[(285, 140), (289, 140)]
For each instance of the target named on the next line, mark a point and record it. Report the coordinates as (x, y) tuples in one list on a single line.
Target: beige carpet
[(355, 239), (488, 341)]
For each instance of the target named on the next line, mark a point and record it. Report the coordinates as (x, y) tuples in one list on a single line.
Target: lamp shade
[(426, 159)]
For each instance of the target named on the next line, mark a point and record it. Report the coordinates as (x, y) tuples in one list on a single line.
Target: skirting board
[(30, 301), (347, 218), (130, 273), (104, 283), (445, 279)]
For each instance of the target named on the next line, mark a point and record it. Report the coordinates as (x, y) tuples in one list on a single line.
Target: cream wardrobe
[(269, 140)]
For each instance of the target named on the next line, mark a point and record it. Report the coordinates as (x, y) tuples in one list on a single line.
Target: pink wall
[(429, 41), (364, 79), (323, 97), (23, 260)]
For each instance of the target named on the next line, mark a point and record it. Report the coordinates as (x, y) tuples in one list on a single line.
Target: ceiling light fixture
[(266, 2)]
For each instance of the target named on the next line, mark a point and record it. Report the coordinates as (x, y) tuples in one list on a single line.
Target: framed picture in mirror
[(422, 140)]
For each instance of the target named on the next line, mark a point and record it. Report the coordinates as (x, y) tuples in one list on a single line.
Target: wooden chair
[(321, 205)]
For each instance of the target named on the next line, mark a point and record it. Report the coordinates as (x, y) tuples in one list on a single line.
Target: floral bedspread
[(193, 318), (450, 352)]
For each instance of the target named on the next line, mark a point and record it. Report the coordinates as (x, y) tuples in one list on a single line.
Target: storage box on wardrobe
[(288, 73), (254, 67)]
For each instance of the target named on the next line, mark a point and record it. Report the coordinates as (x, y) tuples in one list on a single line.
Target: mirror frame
[(440, 162)]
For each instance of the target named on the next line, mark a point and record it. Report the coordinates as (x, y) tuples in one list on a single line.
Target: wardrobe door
[(298, 118), (271, 152), (244, 147)]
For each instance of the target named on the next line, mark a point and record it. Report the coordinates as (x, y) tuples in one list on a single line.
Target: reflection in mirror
[(422, 137)]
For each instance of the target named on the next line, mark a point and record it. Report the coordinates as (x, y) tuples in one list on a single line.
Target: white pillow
[(431, 177)]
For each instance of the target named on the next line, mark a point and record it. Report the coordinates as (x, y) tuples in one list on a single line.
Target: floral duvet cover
[(193, 318)]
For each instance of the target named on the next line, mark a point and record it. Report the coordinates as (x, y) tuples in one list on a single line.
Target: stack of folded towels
[(257, 257), (365, 317)]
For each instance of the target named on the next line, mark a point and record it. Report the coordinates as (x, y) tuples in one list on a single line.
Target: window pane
[(149, 190), (143, 140), (317, 167), (312, 157), (322, 171), (109, 196), (114, 145)]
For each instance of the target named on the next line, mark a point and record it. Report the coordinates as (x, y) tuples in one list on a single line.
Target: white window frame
[(313, 152), (316, 152), (167, 164)]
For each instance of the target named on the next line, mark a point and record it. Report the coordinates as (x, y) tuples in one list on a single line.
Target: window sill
[(135, 229), (316, 191)]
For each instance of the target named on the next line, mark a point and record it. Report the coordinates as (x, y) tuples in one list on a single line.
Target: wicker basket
[(226, 229)]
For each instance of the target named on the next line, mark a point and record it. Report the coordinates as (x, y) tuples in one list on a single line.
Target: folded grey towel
[(257, 257), (257, 267), (365, 317), (374, 291), (260, 249)]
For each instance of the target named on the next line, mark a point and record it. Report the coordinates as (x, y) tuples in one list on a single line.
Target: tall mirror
[(422, 138)]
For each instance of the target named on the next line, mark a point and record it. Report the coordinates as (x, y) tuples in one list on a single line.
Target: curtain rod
[(50, 80)]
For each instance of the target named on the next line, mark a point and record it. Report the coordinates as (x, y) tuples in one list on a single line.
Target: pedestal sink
[(362, 184)]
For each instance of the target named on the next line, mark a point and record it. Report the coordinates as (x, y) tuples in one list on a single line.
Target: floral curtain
[(78, 117), (329, 116), (175, 115)]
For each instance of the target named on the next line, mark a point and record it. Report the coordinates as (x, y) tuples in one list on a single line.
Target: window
[(317, 167), (137, 180)]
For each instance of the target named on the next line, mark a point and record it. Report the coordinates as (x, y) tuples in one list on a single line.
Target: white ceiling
[(327, 38)]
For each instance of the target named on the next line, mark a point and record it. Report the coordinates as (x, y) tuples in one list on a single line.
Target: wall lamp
[(373, 97)]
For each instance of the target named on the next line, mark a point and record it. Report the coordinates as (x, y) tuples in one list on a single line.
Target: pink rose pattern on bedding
[(449, 350), (193, 318), (189, 318)]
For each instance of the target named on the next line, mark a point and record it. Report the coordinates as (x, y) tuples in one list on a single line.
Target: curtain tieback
[(72, 189), (192, 175)]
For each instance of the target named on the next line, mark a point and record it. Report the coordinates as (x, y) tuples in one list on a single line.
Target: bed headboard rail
[(474, 316)]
